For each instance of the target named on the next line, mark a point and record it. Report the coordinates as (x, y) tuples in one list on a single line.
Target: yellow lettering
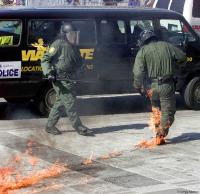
[(189, 59), (32, 55), (40, 54), (31, 68), (26, 56), (87, 53)]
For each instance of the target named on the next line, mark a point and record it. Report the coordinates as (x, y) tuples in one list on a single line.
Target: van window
[(43, 29), (112, 32), (177, 5), (137, 26), (87, 31), (196, 9), (10, 32), (174, 31), (49, 30), (162, 4)]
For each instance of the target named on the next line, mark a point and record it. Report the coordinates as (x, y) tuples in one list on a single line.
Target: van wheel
[(192, 94), (45, 101)]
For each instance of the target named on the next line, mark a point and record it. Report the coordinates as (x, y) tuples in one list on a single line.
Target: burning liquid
[(89, 160), (152, 143), (111, 155), (154, 124), (14, 176)]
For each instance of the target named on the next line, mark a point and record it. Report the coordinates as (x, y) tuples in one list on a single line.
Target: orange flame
[(155, 117), (115, 154), (105, 157), (151, 144), (89, 160), (33, 160), (154, 123), (47, 188), (12, 178), (112, 154)]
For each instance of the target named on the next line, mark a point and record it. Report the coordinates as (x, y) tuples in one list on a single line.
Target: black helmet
[(147, 36), (67, 27), (69, 33)]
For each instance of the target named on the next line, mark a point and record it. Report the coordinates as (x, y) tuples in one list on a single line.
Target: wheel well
[(191, 76), (46, 84)]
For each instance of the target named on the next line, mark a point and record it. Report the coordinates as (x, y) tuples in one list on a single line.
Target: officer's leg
[(54, 114), (68, 99), (155, 102), (168, 107)]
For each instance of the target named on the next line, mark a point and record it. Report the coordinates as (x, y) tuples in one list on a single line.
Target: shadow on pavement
[(185, 137), (118, 128)]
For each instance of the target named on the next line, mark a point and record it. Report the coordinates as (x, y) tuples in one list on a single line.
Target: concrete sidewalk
[(169, 169)]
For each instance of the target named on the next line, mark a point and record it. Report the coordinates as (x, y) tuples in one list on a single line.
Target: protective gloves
[(51, 77)]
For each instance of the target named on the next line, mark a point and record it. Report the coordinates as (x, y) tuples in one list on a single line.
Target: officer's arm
[(78, 59), (179, 56), (138, 70), (74, 56), (46, 65)]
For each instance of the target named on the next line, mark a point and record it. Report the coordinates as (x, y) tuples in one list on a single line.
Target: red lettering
[(196, 27)]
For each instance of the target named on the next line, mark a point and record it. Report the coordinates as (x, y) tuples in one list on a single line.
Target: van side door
[(112, 56)]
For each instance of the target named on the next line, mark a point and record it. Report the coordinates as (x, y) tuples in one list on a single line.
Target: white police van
[(189, 8)]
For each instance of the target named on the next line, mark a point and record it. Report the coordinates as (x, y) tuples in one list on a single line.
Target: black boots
[(53, 130), (162, 132), (82, 130)]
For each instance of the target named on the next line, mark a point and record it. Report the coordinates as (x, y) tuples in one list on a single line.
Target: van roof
[(88, 11)]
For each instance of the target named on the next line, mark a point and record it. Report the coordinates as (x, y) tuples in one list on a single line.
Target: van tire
[(45, 101), (192, 94)]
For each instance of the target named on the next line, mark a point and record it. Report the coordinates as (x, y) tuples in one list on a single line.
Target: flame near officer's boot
[(160, 136)]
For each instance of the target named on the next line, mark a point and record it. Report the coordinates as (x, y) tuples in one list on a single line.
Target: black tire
[(45, 101), (192, 94)]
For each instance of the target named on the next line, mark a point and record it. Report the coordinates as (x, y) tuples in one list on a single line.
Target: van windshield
[(196, 8), (174, 31), (177, 5)]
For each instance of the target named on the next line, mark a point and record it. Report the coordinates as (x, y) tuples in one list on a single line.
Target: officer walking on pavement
[(60, 64), (158, 60)]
